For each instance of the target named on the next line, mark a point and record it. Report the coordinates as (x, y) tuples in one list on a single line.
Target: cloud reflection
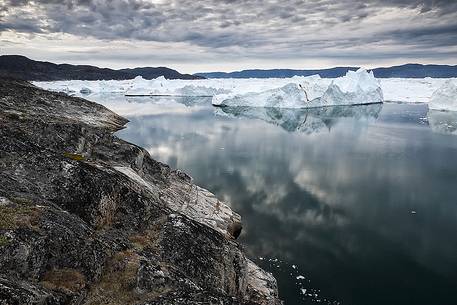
[(336, 201)]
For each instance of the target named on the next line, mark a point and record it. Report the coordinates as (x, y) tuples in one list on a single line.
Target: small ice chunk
[(300, 277), (303, 291), (85, 90)]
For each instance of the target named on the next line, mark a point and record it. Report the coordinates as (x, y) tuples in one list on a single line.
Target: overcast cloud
[(231, 34)]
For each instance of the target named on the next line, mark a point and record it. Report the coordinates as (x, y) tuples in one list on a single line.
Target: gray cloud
[(250, 28)]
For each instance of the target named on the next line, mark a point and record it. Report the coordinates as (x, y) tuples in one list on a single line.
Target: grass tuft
[(4, 240), (66, 280)]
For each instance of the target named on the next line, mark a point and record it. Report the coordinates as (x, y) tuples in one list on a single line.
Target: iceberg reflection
[(444, 122), (310, 120)]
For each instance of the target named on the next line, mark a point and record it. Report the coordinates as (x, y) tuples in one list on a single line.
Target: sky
[(229, 35)]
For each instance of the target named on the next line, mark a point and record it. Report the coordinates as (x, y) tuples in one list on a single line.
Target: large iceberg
[(355, 88), (445, 98)]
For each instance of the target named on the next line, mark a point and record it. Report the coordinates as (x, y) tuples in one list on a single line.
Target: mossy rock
[(15, 216), (4, 240), (76, 157)]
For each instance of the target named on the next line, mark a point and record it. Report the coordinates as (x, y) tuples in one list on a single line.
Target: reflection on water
[(359, 208), (444, 122), (304, 120)]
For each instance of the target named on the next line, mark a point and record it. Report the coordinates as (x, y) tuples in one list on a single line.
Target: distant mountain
[(27, 69), (404, 71), (279, 73), (417, 71)]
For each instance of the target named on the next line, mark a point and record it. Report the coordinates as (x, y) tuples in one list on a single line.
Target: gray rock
[(87, 218)]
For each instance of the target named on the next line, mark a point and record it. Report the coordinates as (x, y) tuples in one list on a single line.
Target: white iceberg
[(288, 96), (410, 90), (394, 89), (355, 88), (163, 87), (143, 87), (313, 86), (445, 98)]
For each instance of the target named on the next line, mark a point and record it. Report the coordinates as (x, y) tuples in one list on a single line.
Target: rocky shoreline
[(87, 218)]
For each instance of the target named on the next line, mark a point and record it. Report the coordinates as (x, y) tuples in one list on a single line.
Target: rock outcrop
[(87, 218)]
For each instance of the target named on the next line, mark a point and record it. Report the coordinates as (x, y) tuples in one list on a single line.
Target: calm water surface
[(347, 205)]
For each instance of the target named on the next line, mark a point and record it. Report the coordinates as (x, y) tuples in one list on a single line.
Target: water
[(358, 202)]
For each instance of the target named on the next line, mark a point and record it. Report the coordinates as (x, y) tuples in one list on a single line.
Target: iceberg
[(410, 90), (394, 89), (85, 90), (163, 87), (288, 96), (445, 98), (143, 87), (355, 88)]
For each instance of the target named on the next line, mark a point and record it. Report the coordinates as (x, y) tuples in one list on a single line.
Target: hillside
[(21, 67), (87, 218)]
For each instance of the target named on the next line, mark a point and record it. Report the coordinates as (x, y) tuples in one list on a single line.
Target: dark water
[(359, 202)]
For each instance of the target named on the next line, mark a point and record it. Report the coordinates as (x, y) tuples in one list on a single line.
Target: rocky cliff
[(87, 218)]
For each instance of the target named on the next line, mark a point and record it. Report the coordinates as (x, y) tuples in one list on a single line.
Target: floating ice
[(355, 88), (85, 90), (410, 90), (394, 89), (445, 98), (288, 96)]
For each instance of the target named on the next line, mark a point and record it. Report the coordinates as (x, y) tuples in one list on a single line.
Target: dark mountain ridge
[(21, 67), (403, 71)]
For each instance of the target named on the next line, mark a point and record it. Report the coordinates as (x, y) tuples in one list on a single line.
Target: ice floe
[(314, 87)]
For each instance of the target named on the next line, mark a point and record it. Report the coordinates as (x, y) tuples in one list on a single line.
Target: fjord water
[(344, 205)]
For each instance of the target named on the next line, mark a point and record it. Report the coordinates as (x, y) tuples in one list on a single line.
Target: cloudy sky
[(227, 35)]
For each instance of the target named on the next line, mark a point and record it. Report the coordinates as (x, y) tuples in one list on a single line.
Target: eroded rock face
[(87, 218)]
